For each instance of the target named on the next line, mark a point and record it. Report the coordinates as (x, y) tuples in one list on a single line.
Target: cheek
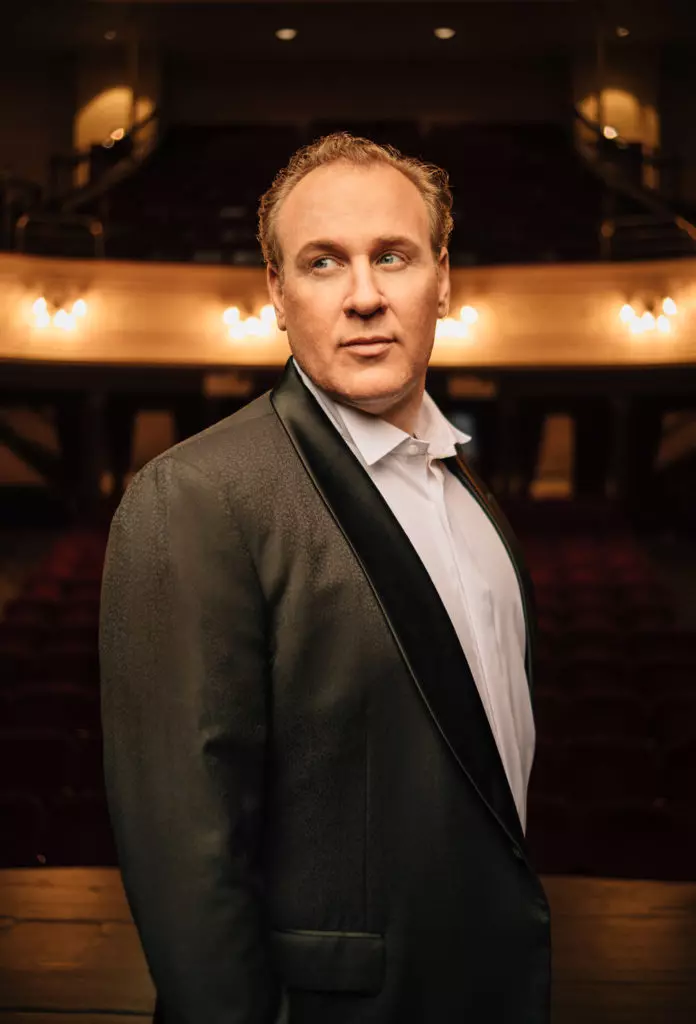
[(417, 308), (310, 306)]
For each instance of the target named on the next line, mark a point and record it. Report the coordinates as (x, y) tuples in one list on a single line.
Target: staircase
[(639, 224)]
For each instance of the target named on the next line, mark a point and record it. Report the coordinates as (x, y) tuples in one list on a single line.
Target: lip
[(369, 346)]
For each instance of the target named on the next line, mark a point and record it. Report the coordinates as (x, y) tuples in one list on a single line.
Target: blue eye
[(319, 260), (390, 254)]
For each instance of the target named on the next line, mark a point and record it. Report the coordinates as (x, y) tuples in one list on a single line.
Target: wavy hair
[(431, 181)]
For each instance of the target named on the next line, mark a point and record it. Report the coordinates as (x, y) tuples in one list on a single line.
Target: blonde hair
[(431, 181)]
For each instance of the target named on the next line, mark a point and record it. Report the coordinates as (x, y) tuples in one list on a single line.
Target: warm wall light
[(47, 313), (453, 328), (444, 32), (609, 132), (262, 326), (645, 321), (117, 134), (286, 34), (622, 31)]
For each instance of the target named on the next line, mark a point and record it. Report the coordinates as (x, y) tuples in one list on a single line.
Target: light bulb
[(669, 306), (231, 315), (254, 327), (79, 308), (627, 313), (39, 306), (64, 320), (648, 320), (663, 324), (468, 314)]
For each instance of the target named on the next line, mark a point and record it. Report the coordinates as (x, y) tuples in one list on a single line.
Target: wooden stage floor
[(624, 951)]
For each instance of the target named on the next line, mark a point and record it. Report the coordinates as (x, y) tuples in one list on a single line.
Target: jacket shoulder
[(225, 448)]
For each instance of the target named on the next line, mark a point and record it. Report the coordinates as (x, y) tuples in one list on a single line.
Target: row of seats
[(622, 839), (564, 712), (46, 760), (615, 768), (632, 686), (73, 829), (634, 840)]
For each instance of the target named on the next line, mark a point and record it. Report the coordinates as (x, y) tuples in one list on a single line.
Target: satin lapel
[(463, 471), (412, 607)]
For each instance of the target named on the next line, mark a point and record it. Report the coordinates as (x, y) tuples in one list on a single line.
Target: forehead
[(352, 204)]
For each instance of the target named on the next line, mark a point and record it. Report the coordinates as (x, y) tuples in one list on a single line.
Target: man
[(316, 650)]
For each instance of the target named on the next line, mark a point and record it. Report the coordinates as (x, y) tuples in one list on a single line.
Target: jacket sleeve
[(184, 668)]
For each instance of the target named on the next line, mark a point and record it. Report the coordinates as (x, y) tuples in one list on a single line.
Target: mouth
[(368, 346)]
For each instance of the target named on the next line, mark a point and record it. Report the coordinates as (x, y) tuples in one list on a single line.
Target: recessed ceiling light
[(286, 34), (110, 35), (609, 132), (444, 33), (622, 31)]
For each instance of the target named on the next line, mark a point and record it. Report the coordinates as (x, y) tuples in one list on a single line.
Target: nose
[(363, 297)]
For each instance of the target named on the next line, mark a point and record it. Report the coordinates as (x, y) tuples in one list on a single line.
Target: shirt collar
[(374, 438)]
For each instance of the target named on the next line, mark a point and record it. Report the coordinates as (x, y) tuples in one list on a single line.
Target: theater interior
[(135, 141)]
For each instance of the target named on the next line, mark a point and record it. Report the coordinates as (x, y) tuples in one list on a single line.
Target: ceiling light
[(110, 35), (622, 31), (444, 33), (609, 132), (286, 34)]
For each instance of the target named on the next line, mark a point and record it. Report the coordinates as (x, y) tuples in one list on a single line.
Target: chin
[(372, 383)]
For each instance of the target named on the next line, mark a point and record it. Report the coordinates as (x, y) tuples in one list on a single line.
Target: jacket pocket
[(320, 961)]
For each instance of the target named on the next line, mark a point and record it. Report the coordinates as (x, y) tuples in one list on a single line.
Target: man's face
[(358, 263)]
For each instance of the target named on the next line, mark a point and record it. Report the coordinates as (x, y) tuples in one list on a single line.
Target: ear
[(443, 283), (274, 284)]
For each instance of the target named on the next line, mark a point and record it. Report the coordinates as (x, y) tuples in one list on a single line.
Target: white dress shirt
[(464, 557)]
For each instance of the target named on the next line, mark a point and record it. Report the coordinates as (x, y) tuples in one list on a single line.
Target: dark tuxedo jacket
[(303, 784)]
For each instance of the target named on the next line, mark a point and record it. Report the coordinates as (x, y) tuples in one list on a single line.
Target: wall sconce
[(649, 319), (456, 328), (262, 326), (46, 314)]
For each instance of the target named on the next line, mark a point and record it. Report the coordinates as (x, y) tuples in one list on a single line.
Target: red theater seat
[(22, 829), (551, 835), (679, 771), (625, 840), (34, 760), (611, 715), (605, 770), (79, 832), (87, 765), (64, 706)]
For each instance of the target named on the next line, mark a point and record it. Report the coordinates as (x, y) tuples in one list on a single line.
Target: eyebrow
[(383, 242)]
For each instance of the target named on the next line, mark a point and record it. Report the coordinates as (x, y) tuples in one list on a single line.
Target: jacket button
[(517, 852)]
